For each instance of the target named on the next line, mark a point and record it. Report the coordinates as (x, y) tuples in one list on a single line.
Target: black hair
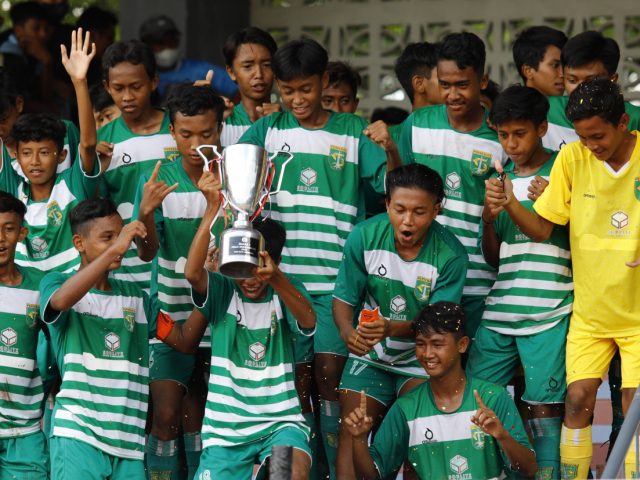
[(519, 103), (442, 318), (100, 98), (465, 49), (10, 204), (24, 11), (588, 47), (89, 210), (8, 94), (389, 115), (300, 58), (190, 100), (415, 175), (341, 72), (416, 59), (36, 127), (132, 51), (96, 18), (598, 97), (244, 36), (532, 44), (492, 91), (274, 236)]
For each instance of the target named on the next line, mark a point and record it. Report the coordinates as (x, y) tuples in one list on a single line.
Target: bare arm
[(186, 337), (359, 425), (378, 132)]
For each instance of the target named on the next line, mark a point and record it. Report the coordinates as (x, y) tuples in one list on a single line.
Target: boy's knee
[(580, 400), (166, 419)]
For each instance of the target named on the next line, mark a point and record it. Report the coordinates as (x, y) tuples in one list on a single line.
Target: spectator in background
[(341, 93), (104, 108), (161, 34), (101, 24)]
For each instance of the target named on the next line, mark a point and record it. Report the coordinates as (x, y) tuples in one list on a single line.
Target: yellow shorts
[(589, 356)]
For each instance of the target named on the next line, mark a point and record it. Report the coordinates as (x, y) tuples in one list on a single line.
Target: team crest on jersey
[(129, 317), (568, 470), (39, 246), (274, 323), (636, 188), (337, 157), (31, 316), (422, 290), (477, 437), (171, 153), (480, 162), (544, 473), (54, 214)]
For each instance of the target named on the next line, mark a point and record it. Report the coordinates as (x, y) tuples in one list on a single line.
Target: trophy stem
[(242, 221)]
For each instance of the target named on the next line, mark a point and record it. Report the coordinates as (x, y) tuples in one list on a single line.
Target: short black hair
[(598, 97), (589, 47), (36, 127), (465, 49), (89, 210), (389, 115), (342, 72), (189, 100), (492, 91), (415, 175), (442, 318), (132, 51), (244, 36), (274, 236), (8, 94), (532, 44), (10, 204), (299, 59), (24, 11), (416, 59), (96, 18), (519, 103), (100, 98)]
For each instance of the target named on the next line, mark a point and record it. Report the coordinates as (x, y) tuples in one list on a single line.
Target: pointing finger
[(498, 166), (156, 170), (478, 399), (363, 403)]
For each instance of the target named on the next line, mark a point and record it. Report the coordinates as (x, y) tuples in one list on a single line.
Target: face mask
[(167, 58), (56, 11)]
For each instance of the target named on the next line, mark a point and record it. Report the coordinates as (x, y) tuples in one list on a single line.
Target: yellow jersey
[(603, 211)]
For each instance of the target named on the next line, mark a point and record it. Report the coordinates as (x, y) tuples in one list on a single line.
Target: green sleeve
[(351, 283), (9, 179), (257, 133), (219, 292), (72, 139), (291, 320), (634, 116), (158, 218), (151, 310), (451, 277), (372, 162), (405, 145), (49, 285), (84, 185), (391, 442)]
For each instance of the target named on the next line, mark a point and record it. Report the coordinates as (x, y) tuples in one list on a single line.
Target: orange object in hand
[(367, 316)]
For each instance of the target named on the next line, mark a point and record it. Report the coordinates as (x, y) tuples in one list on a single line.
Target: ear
[(78, 242), (24, 231), (105, 84), (624, 122), (154, 82), (542, 129), (325, 80), (19, 104), (172, 131), (484, 81), (231, 74), (527, 71), (356, 101), (62, 155), (418, 84), (463, 344)]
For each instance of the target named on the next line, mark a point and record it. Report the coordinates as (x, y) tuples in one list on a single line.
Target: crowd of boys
[(412, 269)]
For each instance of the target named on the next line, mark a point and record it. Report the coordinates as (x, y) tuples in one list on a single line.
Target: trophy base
[(240, 252)]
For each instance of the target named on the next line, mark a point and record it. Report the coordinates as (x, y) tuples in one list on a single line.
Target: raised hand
[(76, 63), (210, 187), (538, 185), (154, 192), (268, 270), (358, 423), (498, 191), (378, 133), (128, 233), (268, 108), (228, 107), (487, 419), (206, 82)]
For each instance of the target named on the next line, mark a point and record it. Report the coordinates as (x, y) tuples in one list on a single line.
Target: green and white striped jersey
[(561, 132), (101, 346), (372, 274), (534, 288), (48, 245), (235, 126), (322, 196), (464, 161), (133, 155), (22, 394), (446, 445), (252, 389)]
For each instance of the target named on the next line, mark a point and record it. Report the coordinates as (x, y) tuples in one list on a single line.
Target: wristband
[(164, 325)]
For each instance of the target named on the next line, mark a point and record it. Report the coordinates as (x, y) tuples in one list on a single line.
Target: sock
[(313, 445), (162, 459), (192, 450), (630, 469), (546, 443), (329, 420), (576, 451)]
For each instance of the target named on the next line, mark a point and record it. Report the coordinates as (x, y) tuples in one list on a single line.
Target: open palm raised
[(76, 63)]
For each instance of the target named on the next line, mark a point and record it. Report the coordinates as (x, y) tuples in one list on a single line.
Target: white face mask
[(167, 58)]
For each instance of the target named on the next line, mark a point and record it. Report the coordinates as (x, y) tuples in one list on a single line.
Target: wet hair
[(341, 72), (36, 127), (300, 59), (132, 51), (190, 100), (244, 36), (87, 211), (96, 18), (465, 49), (389, 115), (442, 318), (8, 94), (519, 103), (100, 98), (415, 175), (274, 236), (532, 44), (589, 47), (416, 59), (10, 204), (598, 97), (22, 12)]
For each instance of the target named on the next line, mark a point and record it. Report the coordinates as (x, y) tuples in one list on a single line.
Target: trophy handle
[(270, 176), (282, 169), (208, 168)]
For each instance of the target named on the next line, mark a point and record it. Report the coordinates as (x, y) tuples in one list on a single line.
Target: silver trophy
[(246, 173)]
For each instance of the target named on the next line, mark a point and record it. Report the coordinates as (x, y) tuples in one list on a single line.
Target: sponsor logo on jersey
[(308, 178), (422, 290), (459, 465), (206, 475), (129, 318), (337, 157), (54, 214), (285, 147), (480, 162), (552, 385), (620, 221), (126, 158), (112, 343), (382, 270), (477, 437), (257, 351), (171, 153), (428, 436), (453, 182), (398, 304), (39, 246), (9, 337), (636, 188), (31, 315)]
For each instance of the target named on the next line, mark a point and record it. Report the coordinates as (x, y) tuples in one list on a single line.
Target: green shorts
[(236, 462), (302, 347), (165, 363), (473, 309), (24, 457), (75, 460), (327, 338), (378, 383), (495, 357)]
